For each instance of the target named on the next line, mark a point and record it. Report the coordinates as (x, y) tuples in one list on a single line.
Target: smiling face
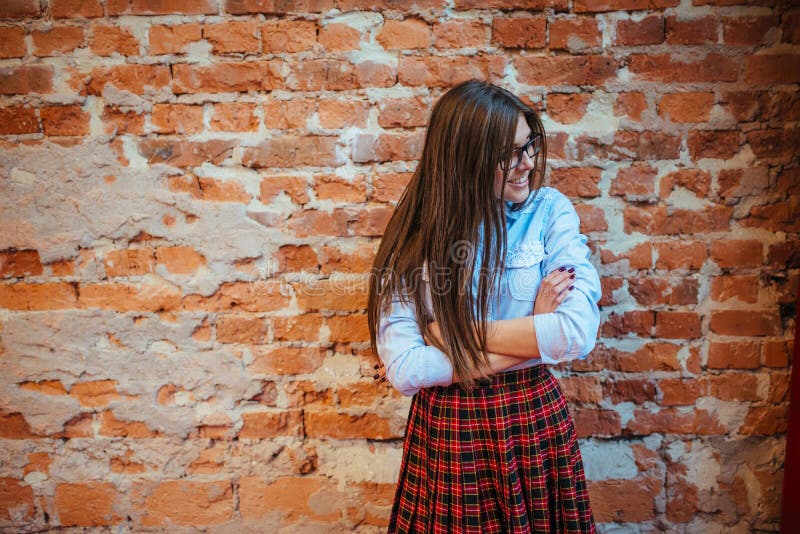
[(516, 192)]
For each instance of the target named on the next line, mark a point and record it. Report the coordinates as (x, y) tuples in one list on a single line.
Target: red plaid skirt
[(502, 457)]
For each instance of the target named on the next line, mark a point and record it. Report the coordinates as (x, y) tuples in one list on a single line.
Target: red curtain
[(790, 515)]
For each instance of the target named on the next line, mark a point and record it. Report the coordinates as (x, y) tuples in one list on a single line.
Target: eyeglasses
[(532, 148)]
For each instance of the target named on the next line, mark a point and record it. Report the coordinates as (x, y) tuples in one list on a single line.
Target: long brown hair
[(437, 219)]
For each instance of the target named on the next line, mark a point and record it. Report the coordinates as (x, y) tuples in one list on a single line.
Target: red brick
[(649, 30), (734, 387), (774, 145), (678, 325), (17, 9), (675, 421), (777, 217), (287, 360), (335, 114), (161, 7), (404, 34), (403, 112), (337, 37), (717, 144), (332, 187), (745, 323), (293, 151), (726, 287), (682, 391), (624, 500), (582, 6), (331, 424), (239, 329), (287, 36), (110, 426), (634, 182), (296, 258), (95, 393), (592, 218), (660, 220), (19, 264), (264, 425), (747, 31), (131, 78), (177, 118), (445, 71), (766, 420), (670, 69), (596, 422), (621, 390), (76, 8), (695, 180), (776, 353), (565, 69), (89, 504), (631, 105), (12, 41), (681, 255), (58, 40), (609, 286), (695, 31), (348, 328), (734, 355), (173, 39), (225, 77), (64, 120), (18, 119), (312, 497), (574, 34), (736, 253), (25, 79), (636, 322), (107, 39), (519, 32), (187, 503), (459, 34), (233, 37), (234, 117), (576, 181), (14, 426), (638, 256), (660, 291), (47, 296), (769, 69), (686, 107), (567, 108)]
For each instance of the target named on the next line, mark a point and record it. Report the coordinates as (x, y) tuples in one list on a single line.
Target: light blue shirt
[(543, 236)]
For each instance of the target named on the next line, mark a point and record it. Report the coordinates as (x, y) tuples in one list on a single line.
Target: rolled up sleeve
[(570, 332), (410, 364)]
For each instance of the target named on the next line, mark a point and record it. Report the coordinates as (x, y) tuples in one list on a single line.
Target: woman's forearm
[(513, 337), (507, 337), (499, 363)]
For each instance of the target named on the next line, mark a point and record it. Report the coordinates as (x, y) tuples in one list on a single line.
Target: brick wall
[(193, 190)]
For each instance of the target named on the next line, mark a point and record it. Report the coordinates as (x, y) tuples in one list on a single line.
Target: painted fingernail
[(572, 276), (376, 366), (562, 269), (571, 288), (572, 269), (376, 377)]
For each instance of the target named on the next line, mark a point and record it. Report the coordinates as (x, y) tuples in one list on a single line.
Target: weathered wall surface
[(193, 190)]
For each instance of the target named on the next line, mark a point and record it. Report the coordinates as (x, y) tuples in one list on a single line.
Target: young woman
[(482, 279)]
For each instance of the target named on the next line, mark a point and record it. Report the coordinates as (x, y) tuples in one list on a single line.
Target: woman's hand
[(553, 290)]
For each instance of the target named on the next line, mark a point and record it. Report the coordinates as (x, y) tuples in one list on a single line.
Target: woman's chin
[(516, 194)]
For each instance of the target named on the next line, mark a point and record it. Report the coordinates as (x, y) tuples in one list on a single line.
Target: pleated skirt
[(501, 457)]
